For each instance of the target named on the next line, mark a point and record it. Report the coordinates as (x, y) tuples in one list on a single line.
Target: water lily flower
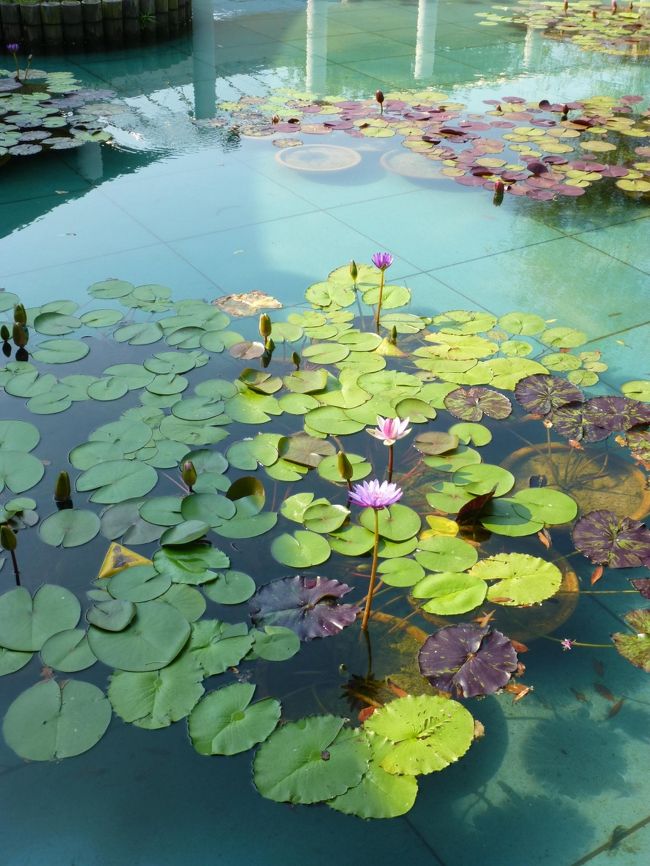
[(189, 474), (373, 494), (13, 47), (382, 260), (389, 430), (567, 644)]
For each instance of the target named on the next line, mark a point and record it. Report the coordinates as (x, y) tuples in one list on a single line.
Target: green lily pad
[(12, 661), (329, 470), (400, 572), (162, 510), (445, 553), (155, 699), (503, 517), (274, 643), (60, 351), (301, 550), (310, 760), (212, 508), (71, 527), (125, 522), (453, 460), (218, 646), (332, 420), (471, 433), (520, 579), (427, 732), (51, 721), (184, 533), (26, 622), (484, 477), (226, 723), (545, 505), (635, 647), (230, 587), (192, 563), (19, 471), (354, 541), (450, 592), (111, 614), (117, 480), (18, 436), (150, 642), (323, 516), (396, 523), (68, 651), (139, 583), (188, 601)]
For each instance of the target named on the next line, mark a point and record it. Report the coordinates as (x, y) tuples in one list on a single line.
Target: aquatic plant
[(417, 541), (543, 150)]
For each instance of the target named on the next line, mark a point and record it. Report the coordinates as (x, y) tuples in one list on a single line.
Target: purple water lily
[(382, 260), (13, 47), (372, 494)]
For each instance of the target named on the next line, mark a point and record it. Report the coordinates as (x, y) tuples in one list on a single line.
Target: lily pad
[(450, 592), (26, 623), (303, 549), (117, 480), (636, 647), (68, 651), (468, 660), (71, 527), (428, 733), (607, 539), (521, 579), (310, 760), (275, 643), (470, 404), (445, 553), (226, 723), (51, 721), (307, 605), (218, 645)]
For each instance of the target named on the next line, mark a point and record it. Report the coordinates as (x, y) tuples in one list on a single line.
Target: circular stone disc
[(408, 164), (319, 157)]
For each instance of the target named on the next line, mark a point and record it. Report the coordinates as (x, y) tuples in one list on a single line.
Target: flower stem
[(581, 643), (391, 458), (381, 296), (15, 565), (373, 575)]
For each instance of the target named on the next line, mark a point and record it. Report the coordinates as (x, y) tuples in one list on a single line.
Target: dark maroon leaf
[(615, 413), (471, 404), (544, 393), (470, 512), (642, 584), (307, 605), (607, 539), (468, 660), (570, 421)]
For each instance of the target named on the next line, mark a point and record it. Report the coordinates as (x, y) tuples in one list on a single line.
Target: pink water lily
[(372, 494), (389, 430), (567, 643)]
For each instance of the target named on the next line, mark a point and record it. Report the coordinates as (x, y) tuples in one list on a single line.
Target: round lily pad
[(450, 592), (445, 553), (26, 622), (275, 643), (230, 587), (71, 527), (51, 721), (521, 579), (303, 549), (226, 723), (68, 651)]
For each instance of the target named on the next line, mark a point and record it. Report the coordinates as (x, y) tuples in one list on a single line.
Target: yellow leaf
[(118, 558)]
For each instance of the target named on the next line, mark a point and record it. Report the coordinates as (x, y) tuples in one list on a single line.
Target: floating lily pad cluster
[(42, 111), (542, 150), (621, 29), (318, 380)]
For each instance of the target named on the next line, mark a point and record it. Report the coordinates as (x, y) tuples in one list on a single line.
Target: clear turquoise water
[(554, 776)]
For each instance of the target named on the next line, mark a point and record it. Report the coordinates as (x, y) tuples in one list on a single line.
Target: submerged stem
[(373, 575), (15, 565), (391, 457)]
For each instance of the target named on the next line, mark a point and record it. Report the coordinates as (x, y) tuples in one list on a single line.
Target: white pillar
[(316, 46), (425, 45)]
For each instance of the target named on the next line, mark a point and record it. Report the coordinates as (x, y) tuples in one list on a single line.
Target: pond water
[(192, 197)]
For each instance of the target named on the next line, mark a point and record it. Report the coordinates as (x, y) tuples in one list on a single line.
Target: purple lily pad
[(305, 604), (542, 393), (470, 404), (570, 422), (642, 584), (468, 660), (607, 539), (616, 413)]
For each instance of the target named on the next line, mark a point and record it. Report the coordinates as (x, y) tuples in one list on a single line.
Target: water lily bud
[(188, 474), (62, 488), (566, 5), (594, 14), (393, 336), (499, 189), (344, 466), (354, 271), (20, 334), (295, 357), (614, 7), (379, 96), (20, 316), (275, 118), (4, 333), (8, 538), (269, 346), (265, 326)]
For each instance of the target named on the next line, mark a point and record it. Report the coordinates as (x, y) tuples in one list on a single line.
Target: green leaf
[(294, 507), (226, 723), (19, 471), (396, 523), (12, 661), (26, 622), (274, 643), (354, 541), (230, 587), (450, 592), (124, 521), (155, 699), (635, 647), (188, 601), (520, 579), (545, 505), (117, 480), (71, 527), (482, 478), (138, 583), (18, 436), (301, 550), (470, 432), (329, 470), (152, 640), (400, 572), (218, 646), (332, 420), (322, 516), (162, 510), (184, 533), (310, 760), (68, 651), (111, 614), (60, 351), (191, 563), (503, 517), (427, 732), (51, 721)]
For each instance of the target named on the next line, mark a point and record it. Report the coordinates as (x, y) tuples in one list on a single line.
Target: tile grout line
[(423, 839), (612, 842)]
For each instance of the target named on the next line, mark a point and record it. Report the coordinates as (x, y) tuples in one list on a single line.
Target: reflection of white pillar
[(90, 161), (425, 45), (533, 48), (204, 73), (316, 47)]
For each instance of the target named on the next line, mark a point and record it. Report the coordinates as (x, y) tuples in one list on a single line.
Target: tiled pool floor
[(555, 776)]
